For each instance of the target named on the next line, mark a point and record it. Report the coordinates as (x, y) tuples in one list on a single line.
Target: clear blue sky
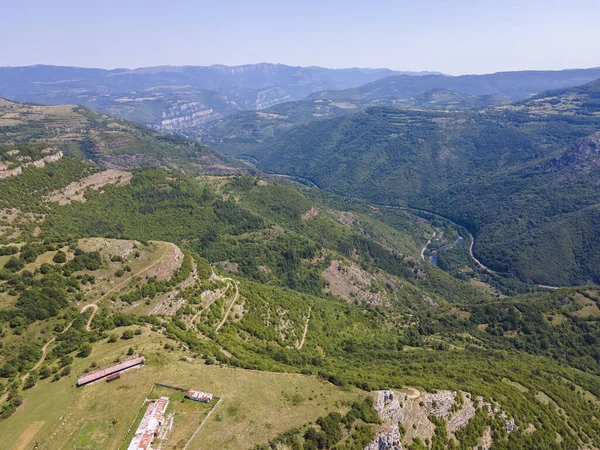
[(460, 36)]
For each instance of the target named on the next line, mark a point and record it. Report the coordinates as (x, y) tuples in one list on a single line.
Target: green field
[(255, 405)]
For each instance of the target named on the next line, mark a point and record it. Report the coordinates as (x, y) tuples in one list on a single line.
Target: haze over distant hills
[(172, 97), (514, 85), (182, 99)]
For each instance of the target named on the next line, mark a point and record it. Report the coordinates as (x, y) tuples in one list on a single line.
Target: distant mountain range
[(513, 85), (183, 99), (177, 98)]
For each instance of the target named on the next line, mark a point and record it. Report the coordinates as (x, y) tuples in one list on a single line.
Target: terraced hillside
[(83, 134)]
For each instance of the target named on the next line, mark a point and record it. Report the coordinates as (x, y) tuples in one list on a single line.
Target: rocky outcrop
[(5, 172), (413, 411), (388, 405), (462, 417), (582, 157), (184, 115), (388, 441)]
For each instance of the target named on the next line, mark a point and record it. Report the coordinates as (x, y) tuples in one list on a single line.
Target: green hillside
[(243, 134), (293, 305), (279, 246), (494, 171)]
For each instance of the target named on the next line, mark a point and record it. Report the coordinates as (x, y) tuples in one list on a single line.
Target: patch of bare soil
[(108, 247), (344, 105), (312, 212), (27, 436), (75, 191), (485, 441), (14, 233), (170, 261), (350, 282), (229, 266), (9, 215), (346, 218), (226, 353), (530, 429)]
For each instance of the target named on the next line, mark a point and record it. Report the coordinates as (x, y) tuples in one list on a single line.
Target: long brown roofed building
[(98, 375)]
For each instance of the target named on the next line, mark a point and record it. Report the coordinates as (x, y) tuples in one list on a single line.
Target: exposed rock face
[(462, 417), (5, 172), (388, 441), (583, 156), (440, 403), (185, 115), (270, 97), (389, 406), (413, 410)]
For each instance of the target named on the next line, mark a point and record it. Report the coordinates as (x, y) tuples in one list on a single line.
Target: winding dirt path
[(305, 329), (235, 297), (95, 310), (426, 245), (199, 313), (94, 304)]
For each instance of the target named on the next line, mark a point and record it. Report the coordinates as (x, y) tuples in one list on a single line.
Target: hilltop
[(514, 85), (86, 135)]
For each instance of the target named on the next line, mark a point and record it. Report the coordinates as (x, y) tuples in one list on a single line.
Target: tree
[(85, 350), (13, 264), (60, 257)]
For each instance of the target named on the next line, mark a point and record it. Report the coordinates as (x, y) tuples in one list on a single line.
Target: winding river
[(311, 184)]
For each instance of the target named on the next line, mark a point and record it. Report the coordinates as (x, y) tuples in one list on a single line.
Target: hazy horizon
[(461, 37), (291, 65)]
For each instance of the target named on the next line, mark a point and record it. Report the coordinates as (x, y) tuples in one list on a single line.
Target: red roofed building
[(150, 425), (199, 396), (98, 375)]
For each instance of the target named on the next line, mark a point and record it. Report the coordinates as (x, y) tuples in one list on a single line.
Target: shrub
[(127, 334)]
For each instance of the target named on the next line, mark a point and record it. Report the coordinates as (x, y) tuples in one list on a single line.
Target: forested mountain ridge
[(456, 162), (244, 132)]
